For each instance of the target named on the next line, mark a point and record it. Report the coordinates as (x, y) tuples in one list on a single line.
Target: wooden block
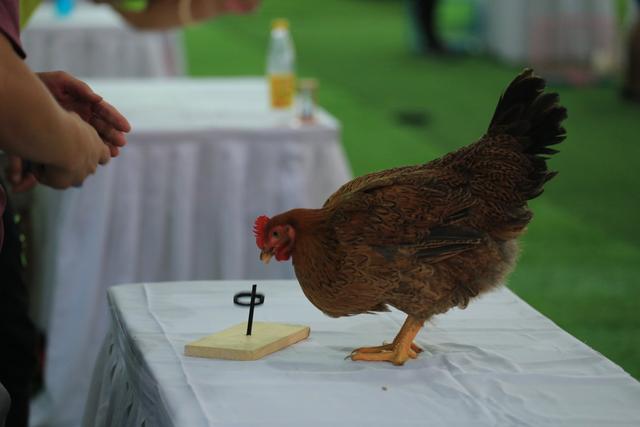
[(234, 344)]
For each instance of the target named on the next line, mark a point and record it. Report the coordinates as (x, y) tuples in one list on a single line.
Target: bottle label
[(282, 90)]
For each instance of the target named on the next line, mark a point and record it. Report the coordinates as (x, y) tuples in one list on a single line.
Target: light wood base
[(234, 344)]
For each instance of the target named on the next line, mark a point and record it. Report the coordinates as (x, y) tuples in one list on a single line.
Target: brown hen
[(424, 238)]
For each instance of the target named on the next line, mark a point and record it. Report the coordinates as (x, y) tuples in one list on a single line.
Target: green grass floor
[(581, 256)]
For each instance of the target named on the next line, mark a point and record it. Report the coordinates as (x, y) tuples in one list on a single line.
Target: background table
[(499, 362), (204, 159), (95, 42)]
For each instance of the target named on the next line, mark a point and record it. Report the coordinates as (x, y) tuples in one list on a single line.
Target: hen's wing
[(362, 181), (416, 213), (446, 206), (391, 233)]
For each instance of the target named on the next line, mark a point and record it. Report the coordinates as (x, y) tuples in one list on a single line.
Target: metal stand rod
[(251, 306)]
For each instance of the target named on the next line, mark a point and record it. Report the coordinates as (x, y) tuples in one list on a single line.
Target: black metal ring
[(259, 299)]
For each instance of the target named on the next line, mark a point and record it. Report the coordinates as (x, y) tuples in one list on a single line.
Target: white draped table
[(93, 41), (497, 363), (204, 159)]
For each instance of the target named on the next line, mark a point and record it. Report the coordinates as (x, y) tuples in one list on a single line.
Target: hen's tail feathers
[(534, 118)]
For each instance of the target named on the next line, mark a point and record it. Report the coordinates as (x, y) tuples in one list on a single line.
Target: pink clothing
[(10, 23)]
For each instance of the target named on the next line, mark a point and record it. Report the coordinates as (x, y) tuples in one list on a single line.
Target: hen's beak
[(265, 256)]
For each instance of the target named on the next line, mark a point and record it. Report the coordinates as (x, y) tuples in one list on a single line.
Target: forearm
[(164, 14), (32, 125)]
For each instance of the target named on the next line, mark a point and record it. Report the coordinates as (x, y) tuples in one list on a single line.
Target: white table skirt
[(497, 363), (95, 42), (205, 158)]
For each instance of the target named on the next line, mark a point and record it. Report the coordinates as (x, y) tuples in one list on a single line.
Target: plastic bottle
[(307, 100), (281, 65)]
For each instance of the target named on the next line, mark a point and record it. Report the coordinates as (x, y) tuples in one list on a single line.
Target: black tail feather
[(535, 119), (526, 112)]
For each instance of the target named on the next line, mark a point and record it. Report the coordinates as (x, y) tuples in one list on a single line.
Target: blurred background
[(400, 104), (397, 82)]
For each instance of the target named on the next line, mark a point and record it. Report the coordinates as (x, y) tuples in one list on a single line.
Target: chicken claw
[(415, 349), (395, 357), (399, 351)]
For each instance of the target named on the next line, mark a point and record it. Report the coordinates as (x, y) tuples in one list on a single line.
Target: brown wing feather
[(414, 214), (358, 183)]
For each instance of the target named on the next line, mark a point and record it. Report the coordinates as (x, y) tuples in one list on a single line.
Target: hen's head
[(274, 237)]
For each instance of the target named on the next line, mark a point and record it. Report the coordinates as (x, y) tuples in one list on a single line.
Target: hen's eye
[(275, 234)]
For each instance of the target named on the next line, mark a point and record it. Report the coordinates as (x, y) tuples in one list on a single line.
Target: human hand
[(20, 179), (76, 96), (240, 6), (89, 151)]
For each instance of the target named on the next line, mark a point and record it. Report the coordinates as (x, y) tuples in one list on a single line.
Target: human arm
[(165, 14), (34, 127), (75, 96)]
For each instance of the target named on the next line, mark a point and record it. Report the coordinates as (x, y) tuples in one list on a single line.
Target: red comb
[(258, 230)]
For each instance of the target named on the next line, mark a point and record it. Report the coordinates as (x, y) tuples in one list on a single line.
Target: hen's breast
[(428, 289), (338, 280), (355, 280)]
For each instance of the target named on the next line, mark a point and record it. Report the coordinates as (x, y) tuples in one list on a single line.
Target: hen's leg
[(415, 349), (397, 352)]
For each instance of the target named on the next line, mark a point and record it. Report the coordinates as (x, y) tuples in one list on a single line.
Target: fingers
[(115, 151), (111, 115), (105, 155), (110, 125), (64, 86), (107, 132), (19, 180), (76, 96), (56, 178), (61, 178), (88, 153), (79, 88), (26, 183), (14, 170)]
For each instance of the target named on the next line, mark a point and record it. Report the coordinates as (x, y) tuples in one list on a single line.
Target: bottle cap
[(280, 23)]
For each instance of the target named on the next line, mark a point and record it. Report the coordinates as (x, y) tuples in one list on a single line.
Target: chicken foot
[(413, 352), (399, 351)]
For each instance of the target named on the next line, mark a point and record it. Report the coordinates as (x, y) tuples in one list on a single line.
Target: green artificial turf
[(581, 256)]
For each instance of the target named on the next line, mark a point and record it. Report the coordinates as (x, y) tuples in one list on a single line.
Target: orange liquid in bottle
[(282, 88)]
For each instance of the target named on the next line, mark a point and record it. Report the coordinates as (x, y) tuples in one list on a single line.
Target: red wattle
[(282, 255)]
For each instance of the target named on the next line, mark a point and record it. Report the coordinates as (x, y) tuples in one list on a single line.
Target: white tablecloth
[(95, 42), (497, 363), (204, 159)]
